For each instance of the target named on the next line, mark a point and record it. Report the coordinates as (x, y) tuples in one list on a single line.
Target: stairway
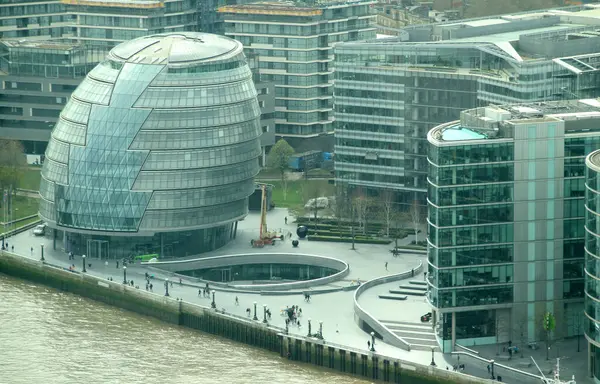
[(419, 335)]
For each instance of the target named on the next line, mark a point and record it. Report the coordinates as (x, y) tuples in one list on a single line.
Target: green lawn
[(24, 206), (294, 197), (31, 179)]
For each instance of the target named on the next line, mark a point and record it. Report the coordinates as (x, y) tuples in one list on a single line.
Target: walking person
[(31, 251), (386, 264), (285, 220), (199, 290), (118, 264), (237, 301)]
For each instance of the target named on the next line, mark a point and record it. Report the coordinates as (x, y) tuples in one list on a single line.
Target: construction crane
[(265, 237)]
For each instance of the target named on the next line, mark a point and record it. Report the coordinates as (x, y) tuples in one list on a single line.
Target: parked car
[(39, 230)]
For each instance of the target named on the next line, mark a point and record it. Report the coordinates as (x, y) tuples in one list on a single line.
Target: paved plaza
[(335, 309)]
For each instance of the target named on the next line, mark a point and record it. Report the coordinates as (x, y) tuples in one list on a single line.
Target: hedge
[(335, 229), (357, 240)]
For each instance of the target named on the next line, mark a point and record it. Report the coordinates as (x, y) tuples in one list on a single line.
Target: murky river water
[(48, 336)]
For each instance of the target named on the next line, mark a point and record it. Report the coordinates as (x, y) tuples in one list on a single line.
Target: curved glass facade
[(159, 145), (592, 258)]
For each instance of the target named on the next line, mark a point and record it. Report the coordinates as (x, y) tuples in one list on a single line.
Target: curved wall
[(592, 258)]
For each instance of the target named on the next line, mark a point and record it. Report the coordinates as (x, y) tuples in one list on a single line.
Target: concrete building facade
[(156, 150), (506, 221), (390, 92), (295, 44)]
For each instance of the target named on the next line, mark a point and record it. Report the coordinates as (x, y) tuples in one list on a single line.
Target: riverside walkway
[(334, 309)]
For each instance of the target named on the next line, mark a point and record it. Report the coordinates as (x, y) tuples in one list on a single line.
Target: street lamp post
[(265, 313), (255, 317), (42, 247), (433, 364), (167, 287), (309, 330), (83, 260), (492, 364), (124, 274), (213, 304), (372, 341)]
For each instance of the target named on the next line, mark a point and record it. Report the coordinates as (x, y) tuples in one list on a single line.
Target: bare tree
[(500, 327), (386, 200), (415, 217), (520, 330), (362, 205), (12, 164), (340, 205), (312, 191)]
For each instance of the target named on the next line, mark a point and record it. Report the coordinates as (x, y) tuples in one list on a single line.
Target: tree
[(313, 190), (500, 327), (12, 164), (278, 158), (549, 323), (522, 323), (415, 217), (340, 204), (362, 205), (386, 200)]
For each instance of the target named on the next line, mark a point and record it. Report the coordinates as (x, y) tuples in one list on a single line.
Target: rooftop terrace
[(497, 122)]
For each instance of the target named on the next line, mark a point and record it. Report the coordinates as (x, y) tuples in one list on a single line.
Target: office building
[(40, 66), (116, 21), (295, 44), (390, 92), (33, 19), (37, 78), (506, 220), (156, 151), (591, 323)]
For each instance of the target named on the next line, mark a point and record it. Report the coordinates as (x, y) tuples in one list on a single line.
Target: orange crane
[(265, 237)]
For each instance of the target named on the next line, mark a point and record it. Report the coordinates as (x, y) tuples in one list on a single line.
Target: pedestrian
[(180, 282), (412, 273), (386, 263), (147, 286), (12, 248), (150, 287), (489, 369), (31, 251), (285, 220), (118, 265), (368, 344), (237, 301), (199, 290)]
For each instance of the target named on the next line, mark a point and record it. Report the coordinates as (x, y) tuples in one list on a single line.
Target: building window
[(261, 103), (265, 128)]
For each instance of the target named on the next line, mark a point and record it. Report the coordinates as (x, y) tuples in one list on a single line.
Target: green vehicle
[(146, 257)]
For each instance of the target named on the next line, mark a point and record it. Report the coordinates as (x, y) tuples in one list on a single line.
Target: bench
[(392, 297)]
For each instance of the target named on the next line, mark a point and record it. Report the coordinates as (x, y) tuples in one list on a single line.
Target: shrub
[(357, 239)]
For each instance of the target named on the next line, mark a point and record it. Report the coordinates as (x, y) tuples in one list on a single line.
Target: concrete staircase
[(410, 290), (419, 335)]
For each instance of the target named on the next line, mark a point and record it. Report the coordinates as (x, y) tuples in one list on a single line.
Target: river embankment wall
[(311, 350)]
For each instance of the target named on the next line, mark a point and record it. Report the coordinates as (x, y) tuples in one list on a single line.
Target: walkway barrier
[(24, 228), (357, 362), (257, 258), (468, 350), (365, 318), (498, 365)]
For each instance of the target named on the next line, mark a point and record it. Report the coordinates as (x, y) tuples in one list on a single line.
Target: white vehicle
[(39, 230)]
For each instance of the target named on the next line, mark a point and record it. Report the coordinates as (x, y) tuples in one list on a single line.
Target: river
[(48, 336)]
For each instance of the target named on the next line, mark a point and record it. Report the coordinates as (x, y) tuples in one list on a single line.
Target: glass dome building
[(156, 151)]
